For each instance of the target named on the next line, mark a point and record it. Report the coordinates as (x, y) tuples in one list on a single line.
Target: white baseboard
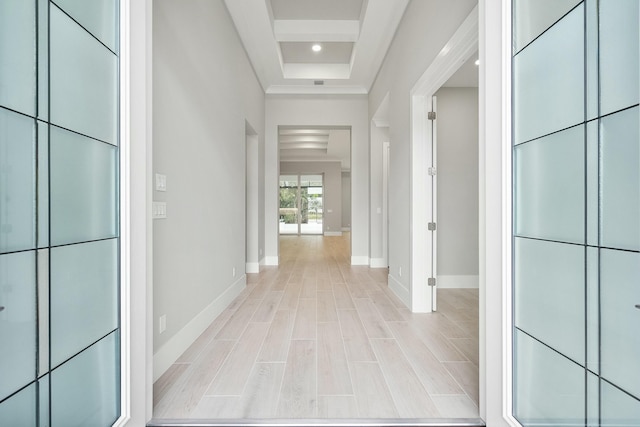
[(346, 228), (333, 233), (270, 260), (359, 260), (252, 267), (457, 282), (400, 291), (180, 342), (378, 263)]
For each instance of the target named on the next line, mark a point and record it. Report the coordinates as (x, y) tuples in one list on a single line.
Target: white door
[(432, 182)]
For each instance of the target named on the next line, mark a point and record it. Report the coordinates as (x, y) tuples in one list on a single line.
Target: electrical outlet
[(163, 323), (233, 272), (400, 271)]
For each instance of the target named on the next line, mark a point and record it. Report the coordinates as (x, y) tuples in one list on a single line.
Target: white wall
[(331, 197), (379, 135), (346, 201), (352, 111), (457, 193), (204, 90), (423, 31), (252, 211)]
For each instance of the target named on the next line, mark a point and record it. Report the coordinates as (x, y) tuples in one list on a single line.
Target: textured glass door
[(59, 213), (576, 206), (311, 204), (301, 207), (289, 212)]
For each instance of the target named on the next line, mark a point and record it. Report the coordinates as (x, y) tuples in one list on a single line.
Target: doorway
[(301, 204)]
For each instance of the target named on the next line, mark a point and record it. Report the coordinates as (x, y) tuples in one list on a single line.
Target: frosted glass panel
[(17, 321), (620, 174), (83, 80), (83, 296), (17, 182), (592, 98), (97, 16), (549, 291), (43, 59), (83, 188), (20, 410), (549, 201), (620, 340), (548, 79), (549, 388), (533, 17), (618, 408), (43, 184), (593, 400), (593, 310), (43, 391), (619, 54), (43, 310), (592, 183), (18, 55), (84, 391)]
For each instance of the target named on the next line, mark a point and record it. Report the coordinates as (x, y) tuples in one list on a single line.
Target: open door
[(432, 213)]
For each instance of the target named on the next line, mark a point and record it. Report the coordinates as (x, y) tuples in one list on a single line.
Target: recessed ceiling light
[(477, 62), (316, 48)]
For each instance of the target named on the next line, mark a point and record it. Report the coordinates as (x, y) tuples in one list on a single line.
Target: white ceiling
[(354, 35), (316, 9), (322, 143)]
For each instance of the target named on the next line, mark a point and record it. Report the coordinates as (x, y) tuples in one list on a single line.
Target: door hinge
[(431, 115), (432, 171), (431, 281), (431, 226)]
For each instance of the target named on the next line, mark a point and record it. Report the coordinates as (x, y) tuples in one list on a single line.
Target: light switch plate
[(161, 182), (159, 210)]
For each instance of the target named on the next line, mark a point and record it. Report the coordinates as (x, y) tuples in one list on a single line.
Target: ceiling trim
[(462, 45), (309, 159), (315, 90), (290, 139), (261, 36), (316, 71), (316, 31)]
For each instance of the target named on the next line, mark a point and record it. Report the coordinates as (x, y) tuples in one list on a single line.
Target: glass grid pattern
[(576, 214), (56, 275), (301, 204)]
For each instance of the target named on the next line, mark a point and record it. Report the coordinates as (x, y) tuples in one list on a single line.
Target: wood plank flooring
[(319, 338)]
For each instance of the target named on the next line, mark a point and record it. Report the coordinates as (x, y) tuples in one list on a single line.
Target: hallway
[(318, 338)]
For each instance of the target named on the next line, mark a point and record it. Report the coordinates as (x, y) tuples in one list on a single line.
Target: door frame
[(456, 51), (494, 196), (386, 158)]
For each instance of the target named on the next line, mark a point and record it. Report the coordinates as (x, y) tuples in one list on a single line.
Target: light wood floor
[(318, 338)]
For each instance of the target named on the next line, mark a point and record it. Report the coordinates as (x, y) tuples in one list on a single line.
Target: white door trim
[(135, 208), (386, 153), (495, 213)]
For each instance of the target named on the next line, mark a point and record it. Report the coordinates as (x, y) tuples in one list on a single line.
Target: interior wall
[(251, 205), (204, 90), (423, 31), (346, 201), (379, 135), (318, 110), (332, 191), (457, 193)]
